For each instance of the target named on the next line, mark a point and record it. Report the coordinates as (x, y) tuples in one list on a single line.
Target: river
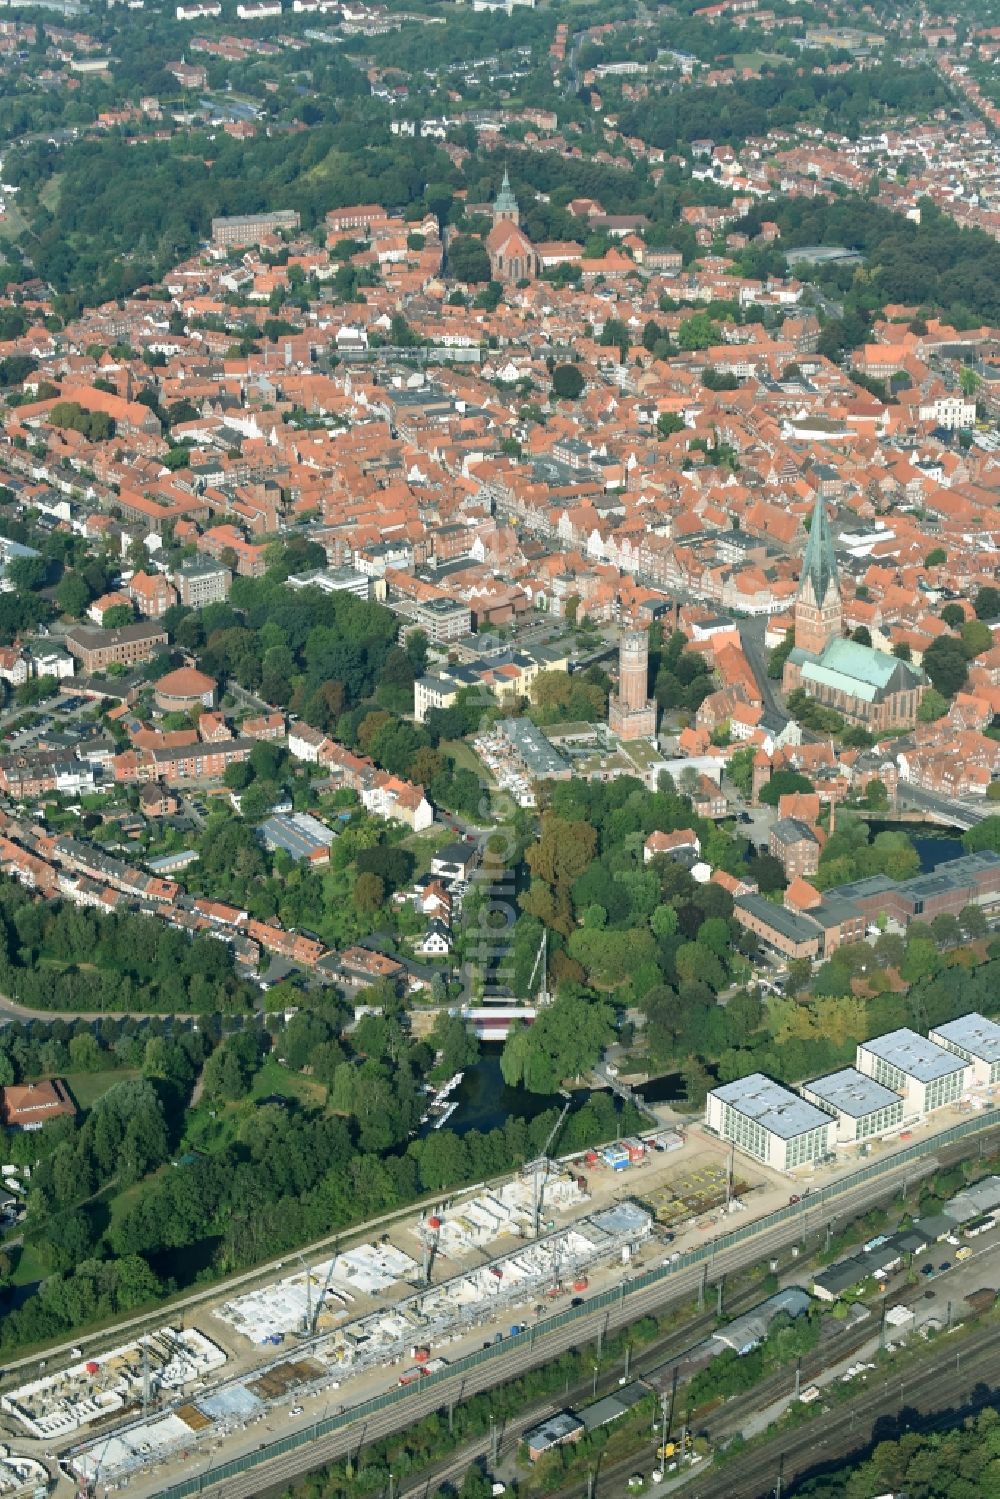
[(485, 1101), (933, 847)]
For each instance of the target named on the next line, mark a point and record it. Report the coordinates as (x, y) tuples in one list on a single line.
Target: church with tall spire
[(819, 613), (513, 257), (505, 209), (866, 686)]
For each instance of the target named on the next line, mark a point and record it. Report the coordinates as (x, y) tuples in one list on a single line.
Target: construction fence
[(981, 1124)]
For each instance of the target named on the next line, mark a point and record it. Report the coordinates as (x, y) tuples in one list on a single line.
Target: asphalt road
[(960, 813), (10, 1011), (756, 652)]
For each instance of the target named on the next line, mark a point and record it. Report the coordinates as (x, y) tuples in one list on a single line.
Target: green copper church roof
[(505, 197), (860, 671), (819, 563)]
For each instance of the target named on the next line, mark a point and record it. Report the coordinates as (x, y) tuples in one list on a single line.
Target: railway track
[(273, 1475), (288, 1466), (962, 1382)]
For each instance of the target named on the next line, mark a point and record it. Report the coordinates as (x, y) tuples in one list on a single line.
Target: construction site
[(322, 1296), (330, 1331), (318, 1296), (407, 1335), (128, 1378), (700, 1190), (18, 1473)]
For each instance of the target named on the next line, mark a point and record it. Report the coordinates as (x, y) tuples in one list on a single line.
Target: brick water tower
[(631, 712)]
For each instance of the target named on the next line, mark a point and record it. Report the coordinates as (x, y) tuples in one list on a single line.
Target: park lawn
[(423, 846), (88, 1087), (273, 1079), (119, 1203), (756, 60), (13, 224), (465, 758), (51, 192), (206, 1133), (31, 1266), (63, 965)]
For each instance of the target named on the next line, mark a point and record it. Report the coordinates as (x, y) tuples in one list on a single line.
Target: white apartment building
[(927, 1076), (863, 1108), (976, 1040), (770, 1122)]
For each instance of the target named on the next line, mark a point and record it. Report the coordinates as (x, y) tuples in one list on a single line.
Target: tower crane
[(88, 1486), (322, 1295), (542, 962), (315, 1306), (540, 1166), (430, 1228)]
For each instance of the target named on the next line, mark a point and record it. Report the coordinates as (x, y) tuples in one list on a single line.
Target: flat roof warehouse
[(298, 834)]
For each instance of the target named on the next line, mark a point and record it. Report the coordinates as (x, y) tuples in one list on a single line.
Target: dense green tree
[(767, 871), (393, 865), (783, 783), (565, 1041), (369, 894), (304, 1034), (468, 260), (27, 573), (984, 835), (668, 424), (976, 638), (987, 602), (73, 595), (945, 663), (230, 1069), (698, 332), (933, 705), (567, 382)]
